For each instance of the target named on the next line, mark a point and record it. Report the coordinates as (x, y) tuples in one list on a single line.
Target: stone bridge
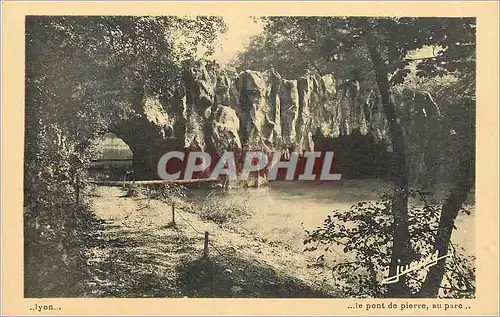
[(217, 109)]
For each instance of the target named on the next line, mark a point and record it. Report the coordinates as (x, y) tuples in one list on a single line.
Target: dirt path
[(139, 253)]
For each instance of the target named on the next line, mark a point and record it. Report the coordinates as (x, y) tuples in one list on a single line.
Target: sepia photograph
[(249, 157), (232, 158)]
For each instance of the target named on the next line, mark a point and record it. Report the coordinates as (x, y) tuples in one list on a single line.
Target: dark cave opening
[(356, 155)]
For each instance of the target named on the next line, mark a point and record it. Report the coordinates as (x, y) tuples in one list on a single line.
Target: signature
[(426, 262)]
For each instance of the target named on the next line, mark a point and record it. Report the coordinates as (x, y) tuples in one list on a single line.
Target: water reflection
[(282, 210)]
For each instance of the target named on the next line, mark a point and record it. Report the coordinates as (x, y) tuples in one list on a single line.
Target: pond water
[(282, 210)]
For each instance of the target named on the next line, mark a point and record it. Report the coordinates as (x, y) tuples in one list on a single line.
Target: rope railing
[(207, 240)]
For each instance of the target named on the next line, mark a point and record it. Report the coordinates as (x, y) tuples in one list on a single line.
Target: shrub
[(57, 227), (135, 191), (365, 233), (169, 192), (223, 212)]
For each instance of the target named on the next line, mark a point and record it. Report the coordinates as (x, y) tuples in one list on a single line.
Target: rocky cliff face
[(217, 110)]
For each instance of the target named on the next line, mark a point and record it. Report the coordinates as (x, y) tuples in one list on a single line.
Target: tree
[(84, 74), (388, 42), (291, 53)]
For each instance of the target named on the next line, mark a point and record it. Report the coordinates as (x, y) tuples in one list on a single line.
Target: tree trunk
[(401, 250), (451, 207)]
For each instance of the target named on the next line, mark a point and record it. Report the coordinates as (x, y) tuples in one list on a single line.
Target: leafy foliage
[(223, 212), (169, 193), (288, 49), (85, 74), (337, 45), (388, 45), (365, 235)]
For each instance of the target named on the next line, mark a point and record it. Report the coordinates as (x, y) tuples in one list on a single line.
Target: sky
[(240, 29)]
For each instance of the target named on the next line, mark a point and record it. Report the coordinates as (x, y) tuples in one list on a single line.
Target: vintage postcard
[(250, 158)]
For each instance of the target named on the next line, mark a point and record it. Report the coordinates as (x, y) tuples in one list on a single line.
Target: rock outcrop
[(216, 110)]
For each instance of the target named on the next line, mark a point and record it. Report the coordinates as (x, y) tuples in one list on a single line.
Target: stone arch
[(115, 157), (217, 110)]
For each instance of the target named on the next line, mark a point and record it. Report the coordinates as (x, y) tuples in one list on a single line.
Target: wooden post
[(173, 213), (205, 246), (149, 196), (77, 189)]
